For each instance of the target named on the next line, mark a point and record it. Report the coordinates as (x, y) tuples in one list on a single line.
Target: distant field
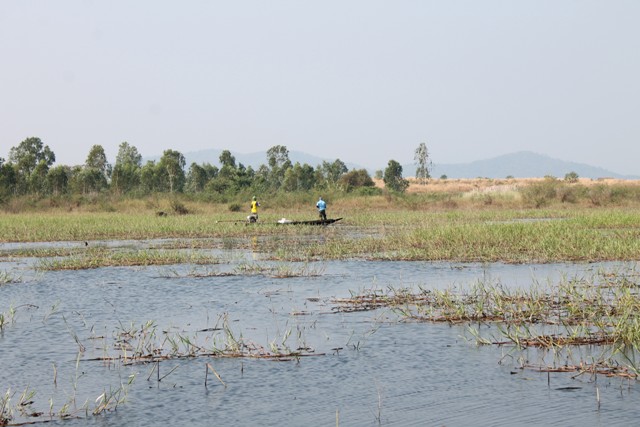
[(489, 185)]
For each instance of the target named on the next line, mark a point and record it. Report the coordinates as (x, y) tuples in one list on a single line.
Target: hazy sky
[(365, 81)]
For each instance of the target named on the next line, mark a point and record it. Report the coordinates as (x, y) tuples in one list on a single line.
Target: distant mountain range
[(521, 164)]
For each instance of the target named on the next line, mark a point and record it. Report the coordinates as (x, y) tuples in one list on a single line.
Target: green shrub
[(571, 177), (541, 193), (600, 195), (368, 191)]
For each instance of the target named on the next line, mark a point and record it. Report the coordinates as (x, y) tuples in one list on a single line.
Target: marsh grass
[(602, 310), (96, 258), (467, 236), (485, 235), (40, 252), (546, 236)]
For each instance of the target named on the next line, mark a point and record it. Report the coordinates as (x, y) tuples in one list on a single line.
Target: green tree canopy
[(278, 161), (29, 155), (355, 179), (227, 159), (393, 179), (171, 171), (96, 172), (199, 176), (149, 177), (58, 179), (126, 172), (8, 179), (332, 172)]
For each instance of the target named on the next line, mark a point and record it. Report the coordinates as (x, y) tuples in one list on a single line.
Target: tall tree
[(299, 178), (278, 157), (58, 179), (37, 181), (332, 172), (393, 179), (149, 180), (229, 170), (278, 160), (8, 179), (423, 163), (171, 170), (196, 178), (97, 159), (227, 159), (27, 156), (126, 172), (96, 172)]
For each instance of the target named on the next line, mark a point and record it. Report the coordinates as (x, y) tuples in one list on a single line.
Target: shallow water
[(368, 368)]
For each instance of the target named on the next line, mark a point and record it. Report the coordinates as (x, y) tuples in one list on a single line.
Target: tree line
[(30, 170)]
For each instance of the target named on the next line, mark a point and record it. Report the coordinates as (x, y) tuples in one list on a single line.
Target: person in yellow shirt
[(254, 210)]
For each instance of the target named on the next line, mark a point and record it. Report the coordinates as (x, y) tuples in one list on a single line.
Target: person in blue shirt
[(322, 207)]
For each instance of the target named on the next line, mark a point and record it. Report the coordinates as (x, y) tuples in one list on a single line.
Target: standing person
[(254, 210), (322, 207)]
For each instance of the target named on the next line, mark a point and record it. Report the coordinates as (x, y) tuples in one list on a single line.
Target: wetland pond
[(249, 341)]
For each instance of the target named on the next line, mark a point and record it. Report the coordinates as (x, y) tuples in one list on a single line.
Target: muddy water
[(366, 368)]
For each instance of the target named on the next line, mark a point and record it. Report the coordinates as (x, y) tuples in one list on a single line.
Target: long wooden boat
[(311, 222), (286, 221)]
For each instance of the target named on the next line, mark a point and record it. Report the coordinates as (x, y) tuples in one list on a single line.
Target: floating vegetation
[(6, 278), (594, 368), (96, 258), (603, 310), (200, 273), (40, 252), (280, 271), (146, 344)]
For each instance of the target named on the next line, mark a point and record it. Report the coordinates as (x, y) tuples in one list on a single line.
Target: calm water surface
[(369, 368)]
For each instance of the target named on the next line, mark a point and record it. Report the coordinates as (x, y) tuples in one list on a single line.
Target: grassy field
[(515, 221)]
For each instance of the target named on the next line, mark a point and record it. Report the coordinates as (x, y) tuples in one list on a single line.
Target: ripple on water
[(394, 373)]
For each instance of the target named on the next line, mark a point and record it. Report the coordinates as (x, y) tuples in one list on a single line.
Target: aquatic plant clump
[(6, 278), (603, 310), (146, 344)]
